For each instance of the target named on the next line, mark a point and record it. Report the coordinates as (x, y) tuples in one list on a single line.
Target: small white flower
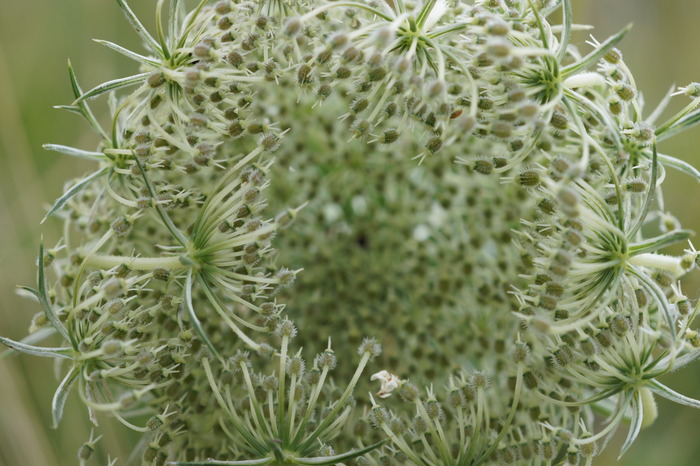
[(389, 381)]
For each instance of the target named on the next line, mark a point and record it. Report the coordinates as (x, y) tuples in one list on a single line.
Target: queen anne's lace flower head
[(256, 193)]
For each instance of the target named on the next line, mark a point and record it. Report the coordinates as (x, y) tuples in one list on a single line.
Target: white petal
[(438, 11)]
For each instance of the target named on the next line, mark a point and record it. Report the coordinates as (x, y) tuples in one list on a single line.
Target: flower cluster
[(452, 190)]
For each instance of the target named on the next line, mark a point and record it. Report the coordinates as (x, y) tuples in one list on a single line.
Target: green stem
[(566, 32), (311, 405), (281, 386), (135, 263), (232, 415), (358, 5), (658, 261), (511, 415), (339, 404), (661, 241)]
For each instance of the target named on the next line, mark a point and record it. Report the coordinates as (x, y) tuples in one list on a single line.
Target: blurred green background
[(36, 38)]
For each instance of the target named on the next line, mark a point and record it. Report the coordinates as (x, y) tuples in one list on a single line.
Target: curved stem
[(135, 263)]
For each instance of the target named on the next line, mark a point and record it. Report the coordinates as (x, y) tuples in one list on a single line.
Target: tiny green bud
[(296, 366), (286, 328), (479, 380), (613, 56), (121, 226), (111, 348), (529, 178), (156, 79), (521, 353), (378, 416), (483, 166), (86, 451), (326, 359), (625, 92)]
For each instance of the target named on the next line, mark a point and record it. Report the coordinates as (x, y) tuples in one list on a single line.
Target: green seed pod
[(86, 451), (530, 380), (121, 226), (625, 92), (371, 347), (613, 56), (529, 178), (378, 416)]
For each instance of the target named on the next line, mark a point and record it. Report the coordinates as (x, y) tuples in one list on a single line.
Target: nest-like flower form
[(451, 187)]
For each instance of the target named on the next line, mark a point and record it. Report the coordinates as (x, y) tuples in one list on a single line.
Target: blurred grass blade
[(36, 350), (75, 189), (128, 53), (61, 395), (138, 27), (112, 86), (73, 152)]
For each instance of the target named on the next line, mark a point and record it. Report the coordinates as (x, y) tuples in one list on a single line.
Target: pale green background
[(36, 37)]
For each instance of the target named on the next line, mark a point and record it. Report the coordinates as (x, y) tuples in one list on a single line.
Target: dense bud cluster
[(258, 190)]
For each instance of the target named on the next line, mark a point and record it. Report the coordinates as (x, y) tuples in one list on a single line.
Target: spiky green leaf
[(174, 230), (659, 297), (659, 242), (221, 462), (595, 55), (73, 152), (61, 395), (70, 108), (128, 53), (679, 126), (30, 339), (73, 190), (112, 85), (662, 390), (37, 350), (635, 423), (566, 31), (159, 30), (83, 108), (680, 165), (43, 297), (194, 320), (648, 200), (328, 460), (139, 28)]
